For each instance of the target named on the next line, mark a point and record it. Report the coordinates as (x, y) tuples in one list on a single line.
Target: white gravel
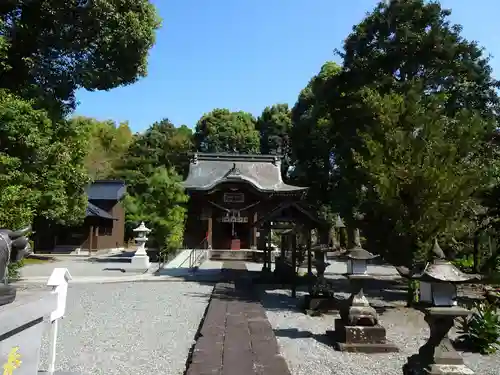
[(129, 328), (307, 350)]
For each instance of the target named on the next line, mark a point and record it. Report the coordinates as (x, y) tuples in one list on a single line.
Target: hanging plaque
[(234, 197)]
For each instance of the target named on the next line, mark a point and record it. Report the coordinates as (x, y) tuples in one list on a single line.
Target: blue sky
[(248, 54)]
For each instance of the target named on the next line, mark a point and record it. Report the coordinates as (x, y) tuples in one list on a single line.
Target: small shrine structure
[(229, 195)]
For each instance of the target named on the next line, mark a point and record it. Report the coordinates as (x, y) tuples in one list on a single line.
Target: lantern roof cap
[(357, 252), (142, 228), (442, 270)]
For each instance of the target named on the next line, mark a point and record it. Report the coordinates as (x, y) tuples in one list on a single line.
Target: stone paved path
[(236, 337)]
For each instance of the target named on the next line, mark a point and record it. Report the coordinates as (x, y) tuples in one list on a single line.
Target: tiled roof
[(106, 190), (94, 211), (262, 171)]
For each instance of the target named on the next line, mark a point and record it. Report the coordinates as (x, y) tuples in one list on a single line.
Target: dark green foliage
[(465, 263), (162, 207), (161, 145), (224, 131), (42, 172), (414, 39), (14, 270), (155, 193), (418, 166), (49, 49), (481, 331), (274, 125)]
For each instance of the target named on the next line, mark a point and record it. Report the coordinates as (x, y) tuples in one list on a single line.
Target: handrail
[(192, 258)]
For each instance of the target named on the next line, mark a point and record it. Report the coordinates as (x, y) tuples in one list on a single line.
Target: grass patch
[(37, 260)]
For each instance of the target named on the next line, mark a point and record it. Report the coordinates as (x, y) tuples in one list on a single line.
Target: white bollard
[(58, 280)]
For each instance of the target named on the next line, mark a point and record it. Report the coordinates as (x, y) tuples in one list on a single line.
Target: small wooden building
[(103, 227), (228, 194)]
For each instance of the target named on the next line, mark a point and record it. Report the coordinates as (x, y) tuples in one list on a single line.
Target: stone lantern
[(438, 291), (140, 260), (358, 329)]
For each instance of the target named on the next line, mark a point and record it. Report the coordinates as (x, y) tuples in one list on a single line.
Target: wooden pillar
[(91, 235), (294, 264), (209, 230), (253, 244), (309, 261)]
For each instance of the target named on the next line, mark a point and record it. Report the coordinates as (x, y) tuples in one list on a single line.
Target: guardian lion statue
[(14, 246)]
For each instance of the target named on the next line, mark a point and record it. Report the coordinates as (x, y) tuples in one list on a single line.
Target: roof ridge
[(235, 157)]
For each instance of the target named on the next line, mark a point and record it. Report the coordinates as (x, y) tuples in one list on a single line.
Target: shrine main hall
[(230, 195)]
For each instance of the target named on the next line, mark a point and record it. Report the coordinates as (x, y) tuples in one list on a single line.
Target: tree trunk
[(476, 252)]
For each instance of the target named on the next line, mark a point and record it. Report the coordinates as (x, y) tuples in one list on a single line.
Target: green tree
[(161, 145), (55, 47), (419, 167), (42, 172), (311, 141), (224, 131), (162, 206), (274, 125), (107, 145), (413, 39)]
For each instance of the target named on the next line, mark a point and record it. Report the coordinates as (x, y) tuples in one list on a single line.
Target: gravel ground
[(78, 267), (129, 328), (307, 351)]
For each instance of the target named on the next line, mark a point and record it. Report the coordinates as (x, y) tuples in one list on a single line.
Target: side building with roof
[(229, 193), (102, 229)]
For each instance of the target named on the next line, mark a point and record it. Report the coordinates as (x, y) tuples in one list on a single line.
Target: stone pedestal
[(139, 262), (21, 328), (358, 330), (438, 356), (362, 339)]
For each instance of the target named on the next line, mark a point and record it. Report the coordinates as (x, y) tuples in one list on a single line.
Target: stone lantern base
[(139, 262), (358, 329), (438, 356), (362, 339)]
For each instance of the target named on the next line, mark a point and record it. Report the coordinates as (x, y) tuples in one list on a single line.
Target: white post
[(58, 280), (52, 347)]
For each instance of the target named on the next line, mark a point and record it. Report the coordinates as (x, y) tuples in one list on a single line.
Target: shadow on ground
[(327, 339)]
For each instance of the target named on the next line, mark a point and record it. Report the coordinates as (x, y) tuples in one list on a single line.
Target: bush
[(465, 264), (481, 331), (13, 270)]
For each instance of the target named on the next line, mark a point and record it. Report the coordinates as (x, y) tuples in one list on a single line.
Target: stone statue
[(14, 246)]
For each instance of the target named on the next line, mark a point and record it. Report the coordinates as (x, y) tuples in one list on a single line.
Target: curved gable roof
[(262, 171)]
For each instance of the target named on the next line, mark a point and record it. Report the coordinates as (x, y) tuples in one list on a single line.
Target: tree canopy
[(224, 131), (52, 48), (42, 173)]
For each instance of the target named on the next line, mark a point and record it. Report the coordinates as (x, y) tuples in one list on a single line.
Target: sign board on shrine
[(234, 197)]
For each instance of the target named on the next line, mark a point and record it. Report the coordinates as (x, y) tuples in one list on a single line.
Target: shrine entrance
[(232, 232)]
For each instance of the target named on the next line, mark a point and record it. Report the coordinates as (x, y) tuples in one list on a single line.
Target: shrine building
[(229, 193)]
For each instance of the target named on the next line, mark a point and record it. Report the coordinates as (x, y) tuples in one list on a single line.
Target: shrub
[(465, 264), (13, 270), (481, 331)]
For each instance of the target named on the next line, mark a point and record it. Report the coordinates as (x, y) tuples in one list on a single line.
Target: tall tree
[(274, 125), (107, 145), (224, 131), (162, 205), (42, 171), (419, 168), (55, 47), (311, 143), (413, 39), (162, 145)]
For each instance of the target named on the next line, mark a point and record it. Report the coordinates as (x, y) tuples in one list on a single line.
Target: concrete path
[(236, 337)]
